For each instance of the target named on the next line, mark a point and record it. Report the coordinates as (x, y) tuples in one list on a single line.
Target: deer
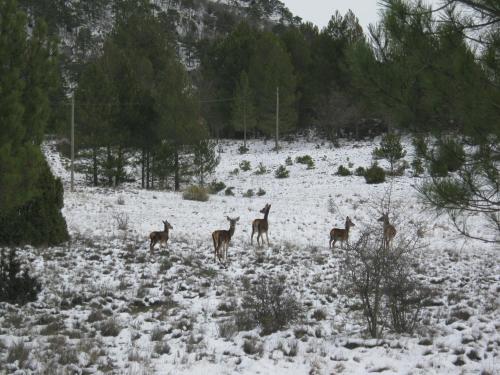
[(160, 237), (339, 234), (222, 238), (389, 231), (261, 226)]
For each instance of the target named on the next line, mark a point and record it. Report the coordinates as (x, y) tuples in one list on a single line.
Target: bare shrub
[(18, 352), (383, 279), (252, 346), (121, 219), (195, 193), (228, 329), (270, 305), (110, 327)]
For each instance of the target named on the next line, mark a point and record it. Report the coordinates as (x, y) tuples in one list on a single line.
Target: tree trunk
[(142, 168), (176, 169), (147, 169), (94, 166)]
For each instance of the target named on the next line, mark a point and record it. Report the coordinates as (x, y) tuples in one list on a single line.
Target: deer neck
[(266, 215), (347, 226), (231, 231)]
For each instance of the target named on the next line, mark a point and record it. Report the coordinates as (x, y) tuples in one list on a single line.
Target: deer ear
[(228, 218), (237, 219)]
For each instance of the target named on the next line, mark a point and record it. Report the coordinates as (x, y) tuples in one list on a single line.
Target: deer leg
[(333, 245), (267, 239), (251, 238)]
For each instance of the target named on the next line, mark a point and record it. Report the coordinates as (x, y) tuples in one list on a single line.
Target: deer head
[(167, 225), (384, 219), (349, 223), (232, 222), (266, 209)]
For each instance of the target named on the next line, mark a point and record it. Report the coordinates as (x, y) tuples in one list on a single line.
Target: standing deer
[(160, 237), (261, 226), (221, 240), (389, 231), (338, 234)]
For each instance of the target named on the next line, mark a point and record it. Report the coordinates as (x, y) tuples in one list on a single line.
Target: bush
[(281, 172), (195, 193), (270, 305), (229, 191), (450, 158), (360, 171), (374, 174), (261, 169), (245, 166), (418, 167), (288, 161), (305, 159), (261, 192), (215, 186), (343, 171), (249, 193), (243, 149), (234, 172), (384, 282), (16, 286)]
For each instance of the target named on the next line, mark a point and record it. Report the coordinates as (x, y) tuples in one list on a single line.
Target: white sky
[(319, 12)]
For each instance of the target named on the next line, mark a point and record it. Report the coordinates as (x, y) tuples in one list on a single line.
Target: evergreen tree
[(270, 69), (390, 149), (243, 110), (205, 159), (29, 194)]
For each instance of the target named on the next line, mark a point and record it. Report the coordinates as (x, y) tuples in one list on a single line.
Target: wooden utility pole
[(277, 117), (245, 122), (72, 142)]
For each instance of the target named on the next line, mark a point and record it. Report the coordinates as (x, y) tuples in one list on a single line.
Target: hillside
[(109, 305)]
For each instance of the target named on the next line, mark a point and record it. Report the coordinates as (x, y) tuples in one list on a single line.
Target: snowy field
[(108, 305)]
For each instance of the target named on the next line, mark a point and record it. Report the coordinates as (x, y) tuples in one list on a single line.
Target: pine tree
[(243, 109), (205, 159), (30, 197), (271, 68)]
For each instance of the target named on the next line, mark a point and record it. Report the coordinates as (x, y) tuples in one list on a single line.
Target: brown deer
[(261, 225), (221, 240), (338, 234), (160, 237), (389, 231)]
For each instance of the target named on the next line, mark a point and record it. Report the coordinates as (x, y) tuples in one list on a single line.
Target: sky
[(319, 12)]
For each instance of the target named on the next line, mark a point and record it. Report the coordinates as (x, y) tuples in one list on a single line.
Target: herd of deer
[(221, 238)]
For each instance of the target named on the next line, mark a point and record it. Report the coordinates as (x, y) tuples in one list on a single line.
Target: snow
[(111, 269)]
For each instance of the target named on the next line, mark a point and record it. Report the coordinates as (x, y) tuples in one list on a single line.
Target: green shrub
[(360, 171), (234, 172), (249, 193), (229, 191), (418, 167), (245, 166), (215, 186), (242, 149), (281, 172), (288, 161), (307, 160), (195, 193), (450, 158), (16, 286), (374, 174), (261, 192), (343, 171), (261, 169)]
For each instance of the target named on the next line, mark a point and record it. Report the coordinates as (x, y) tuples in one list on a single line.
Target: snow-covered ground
[(171, 307)]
